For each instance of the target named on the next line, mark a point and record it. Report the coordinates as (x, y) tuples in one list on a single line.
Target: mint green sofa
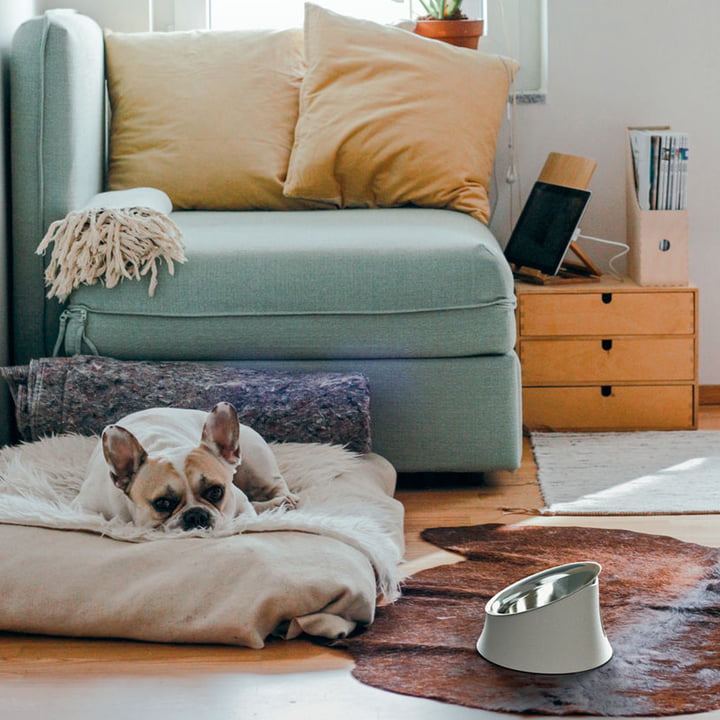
[(419, 300)]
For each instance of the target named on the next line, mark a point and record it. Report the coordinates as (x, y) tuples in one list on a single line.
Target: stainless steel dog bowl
[(547, 623)]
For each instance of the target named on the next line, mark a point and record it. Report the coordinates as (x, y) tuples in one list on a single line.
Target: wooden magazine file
[(658, 239)]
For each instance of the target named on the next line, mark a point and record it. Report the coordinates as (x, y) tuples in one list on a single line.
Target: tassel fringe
[(108, 245)]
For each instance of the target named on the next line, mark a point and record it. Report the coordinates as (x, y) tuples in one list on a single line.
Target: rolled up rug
[(116, 235), (83, 393)]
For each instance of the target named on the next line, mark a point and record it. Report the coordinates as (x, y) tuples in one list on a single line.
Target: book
[(660, 163), (642, 153)]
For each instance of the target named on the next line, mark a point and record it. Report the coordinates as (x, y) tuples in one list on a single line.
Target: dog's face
[(181, 488)]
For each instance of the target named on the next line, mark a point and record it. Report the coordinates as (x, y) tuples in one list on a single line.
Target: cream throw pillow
[(208, 117), (390, 118)]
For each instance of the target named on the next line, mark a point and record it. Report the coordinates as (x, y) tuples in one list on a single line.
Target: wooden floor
[(42, 677)]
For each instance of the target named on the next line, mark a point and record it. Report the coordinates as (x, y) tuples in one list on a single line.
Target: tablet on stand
[(546, 228)]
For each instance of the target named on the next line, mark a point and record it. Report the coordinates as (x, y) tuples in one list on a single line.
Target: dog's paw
[(289, 502)]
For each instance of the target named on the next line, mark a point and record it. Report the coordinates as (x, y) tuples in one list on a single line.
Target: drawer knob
[(606, 344), (606, 390), (607, 298)]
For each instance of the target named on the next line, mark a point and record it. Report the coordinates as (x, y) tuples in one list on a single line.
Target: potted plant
[(444, 20)]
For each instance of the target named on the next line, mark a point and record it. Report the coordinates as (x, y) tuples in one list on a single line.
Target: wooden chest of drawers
[(608, 356)]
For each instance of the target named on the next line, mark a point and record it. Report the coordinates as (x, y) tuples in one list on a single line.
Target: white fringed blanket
[(317, 569), (116, 235)]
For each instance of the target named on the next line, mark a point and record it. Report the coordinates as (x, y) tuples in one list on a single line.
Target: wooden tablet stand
[(568, 171)]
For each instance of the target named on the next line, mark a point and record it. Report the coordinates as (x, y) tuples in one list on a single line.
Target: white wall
[(614, 63), (139, 15), (117, 15)]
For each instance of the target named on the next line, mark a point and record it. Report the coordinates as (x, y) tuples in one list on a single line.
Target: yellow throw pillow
[(208, 117), (390, 118)]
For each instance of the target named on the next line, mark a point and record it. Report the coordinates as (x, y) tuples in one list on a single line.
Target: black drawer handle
[(606, 344), (606, 390), (607, 298)]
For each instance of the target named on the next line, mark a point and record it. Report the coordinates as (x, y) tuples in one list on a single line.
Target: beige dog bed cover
[(318, 569)]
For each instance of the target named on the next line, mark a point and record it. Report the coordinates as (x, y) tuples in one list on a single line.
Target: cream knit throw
[(117, 235)]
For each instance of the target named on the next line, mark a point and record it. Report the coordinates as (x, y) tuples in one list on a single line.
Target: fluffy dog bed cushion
[(317, 569), (82, 394)]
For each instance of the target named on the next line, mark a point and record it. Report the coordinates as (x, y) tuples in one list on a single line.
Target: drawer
[(607, 314), (607, 360), (616, 407)]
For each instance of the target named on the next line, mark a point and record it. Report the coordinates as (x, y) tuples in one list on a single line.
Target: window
[(513, 27), (230, 14), (518, 28)]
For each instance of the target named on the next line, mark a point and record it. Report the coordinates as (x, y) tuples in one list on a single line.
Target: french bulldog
[(186, 469)]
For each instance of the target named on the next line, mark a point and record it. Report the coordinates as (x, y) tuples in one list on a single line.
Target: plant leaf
[(427, 9)]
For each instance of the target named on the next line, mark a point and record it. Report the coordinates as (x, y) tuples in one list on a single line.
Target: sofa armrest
[(58, 141)]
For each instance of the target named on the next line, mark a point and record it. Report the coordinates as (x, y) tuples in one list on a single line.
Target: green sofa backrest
[(58, 148)]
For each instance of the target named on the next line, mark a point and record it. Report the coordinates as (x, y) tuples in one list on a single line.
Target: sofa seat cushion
[(401, 282)]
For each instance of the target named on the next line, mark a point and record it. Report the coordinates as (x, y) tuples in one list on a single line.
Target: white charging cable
[(611, 262), (512, 176)]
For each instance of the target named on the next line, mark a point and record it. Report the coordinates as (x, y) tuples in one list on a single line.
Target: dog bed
[(318, 569), (84, 393)]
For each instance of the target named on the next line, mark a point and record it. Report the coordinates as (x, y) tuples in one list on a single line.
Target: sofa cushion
[(389, 118), (403, 282), (208, 117)]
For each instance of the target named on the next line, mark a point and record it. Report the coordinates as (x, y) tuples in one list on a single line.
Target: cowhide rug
[(660, 601)]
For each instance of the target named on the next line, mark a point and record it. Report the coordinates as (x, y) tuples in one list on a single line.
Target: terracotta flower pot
[(463, 33)]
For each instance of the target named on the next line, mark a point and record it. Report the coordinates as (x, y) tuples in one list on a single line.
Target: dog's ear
[(221, 433), (123, 453)]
